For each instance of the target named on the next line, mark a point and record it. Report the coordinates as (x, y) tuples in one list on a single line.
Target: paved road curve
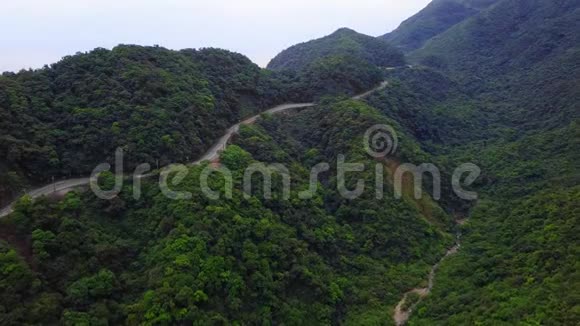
[(211, 154), (47, 190)]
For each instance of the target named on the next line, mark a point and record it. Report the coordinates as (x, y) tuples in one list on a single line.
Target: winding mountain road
[(47, 190), (210, 155), (213, 152)]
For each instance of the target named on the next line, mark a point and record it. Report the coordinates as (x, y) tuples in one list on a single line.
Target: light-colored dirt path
[(401, 315)]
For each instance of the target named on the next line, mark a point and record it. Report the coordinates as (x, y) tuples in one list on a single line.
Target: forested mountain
[(323, 260), (342, 63), (157, 104), (160, 106), (436, 18), (517, 256), (517, 66), (513, 52), (343, 43), (331, 76), (493, 83)]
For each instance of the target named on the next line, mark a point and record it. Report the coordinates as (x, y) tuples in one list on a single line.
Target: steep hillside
[(332, 75), (436, 18), (343, 42), (239, 259), (513, 52), (516, 65), (518, 259), (343, 63), (158, 105), (494, 83), (516, 263)]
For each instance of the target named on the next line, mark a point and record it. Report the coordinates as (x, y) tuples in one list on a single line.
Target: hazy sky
[(38, 32)]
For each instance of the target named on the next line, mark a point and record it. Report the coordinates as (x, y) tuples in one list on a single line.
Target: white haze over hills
[(37, 32)]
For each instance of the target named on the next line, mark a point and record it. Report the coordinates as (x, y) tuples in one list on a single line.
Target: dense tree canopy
[(343, 42), (436, 18), (493, 83), (322, 260), (159, 106)]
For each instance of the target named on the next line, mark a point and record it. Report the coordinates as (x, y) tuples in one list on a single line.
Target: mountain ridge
[(436, 18), (342, 42)]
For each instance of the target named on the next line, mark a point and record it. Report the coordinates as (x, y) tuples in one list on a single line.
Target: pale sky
[(38, 32)]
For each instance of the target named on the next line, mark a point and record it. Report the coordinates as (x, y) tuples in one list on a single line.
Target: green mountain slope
[(157, 104), (513, 52), (516, 66), (496, 85), (517, 259), (343, 63), (323, 260), (160, 106), (343, 42), (436, 18)]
